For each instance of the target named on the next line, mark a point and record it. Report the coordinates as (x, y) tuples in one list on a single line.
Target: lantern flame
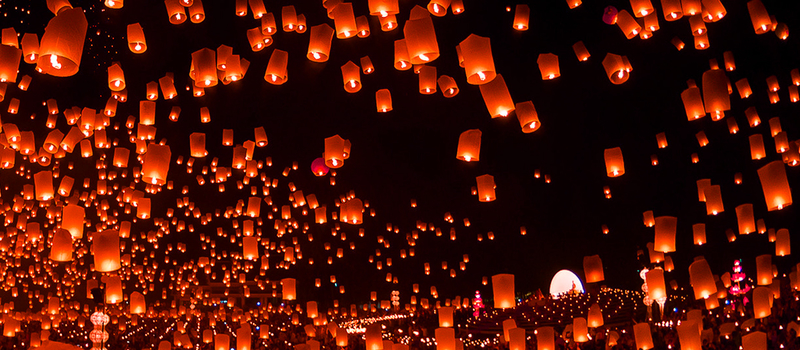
[(138, 47), (54, 62), (482, 76)]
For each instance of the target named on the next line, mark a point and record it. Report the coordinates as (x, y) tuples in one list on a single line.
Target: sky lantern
[(497, 97), (105, 248), (401, 58), (656, 288), (580, 330), (615, 166), (503, 291), (344, 20), (222, 341), (448, 86), (268, 26), (319, 44), (113, 289), (196, 12), (366, 65), (427, 80), (713, 10), (715, 93), (521, 17), (383, 100), (43, 181), (351, 211), (628, 24), (61, 246), (527, 116), (175, 11), (56, 6), (593, 268), (9, 63), (697, 25), (746, 219), (147, 112), (775, 185), (62, 43), (764, 270), (610, 15), (72, 218), (373, 338), (548, 66), (334, 151), (362, 24), (478, 60), (580, 51), (649, 220), (351, 75), (469, 145), (420, 37), (438, 8), (672, 10), (545, 338), (204, 64), (135, 37), (30, 47), (762, 302), (665, 227), (757, 146), (276, 73), (156, 164), (445, 316), (594, 318), (743, 87), (289, 18), (730, 63), (783, 245), (642, 8), (642, 335), (752, 117), (701, 279), (713, 196), (486, 188), (258, 40), (617, 68)]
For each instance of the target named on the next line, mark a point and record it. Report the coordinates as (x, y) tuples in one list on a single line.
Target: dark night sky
[(409, 153)]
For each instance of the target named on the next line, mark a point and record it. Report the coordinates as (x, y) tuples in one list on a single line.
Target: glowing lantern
[(319, 44), (715, 93), (72, 218), (672, 9), (516, 338), (156, 164), (289, 290), (334, 151), (137, 304), (783, 245), (204, 68), (615, 166), (121, 156), (344, 20), (62, 43), (176, 12), (617, 68), (762, 302), (764, 270), (665, 227), (610, 15), (701, 279), (420, 37), (105, 247), (757, 147), (388, 23), (445, 316), (713, 196), (427, 80), (383, 100), (401, 59), (136, 40), (478, 61), (594, 318), (656, 288), (61, 246), (366, 65), (548, 66), (373, 337), (486, 188), (383, 8), (351, 75), (289, 18), (746, 219), (9, 63), (143, 208), (644, 339), (521, 17), (30, 47), (497, 98), (628, 24), (580, 330), (222, 341), (448, 86), (43, 182), (503, 291), (580, 51), (693, 103), (593, 268), (545, 338), (701, 138), (527, 116), (775, 185), (351, 211), (755, 340), (713, 10), (276, 73)]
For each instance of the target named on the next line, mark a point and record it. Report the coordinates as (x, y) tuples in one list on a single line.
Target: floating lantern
[(775, 185), (276, 73), (521, 16), (693, 103), (478, 61), (593, 268), (383, 100), (503, 291), (497, 98), (643, 336), (105, 248), (783, 245), (469, 145), (627, 24), (527, 116), (62, 43), (344, 20), (61, 246), (701, 279), (617, 68), (448, 86), (615, 165), (351, 75), (746, 219), (715, 93), (319, 45), (176, 11), (580, 51), (665, 227), (486, 188), (545, 338), (610, 15), (156, 164), (580, 331), (196, 12), (135, 37), (420, 37), (713, 196), (427, 80), (548, 66), (401, 58), (30, 47), (764, 270)]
